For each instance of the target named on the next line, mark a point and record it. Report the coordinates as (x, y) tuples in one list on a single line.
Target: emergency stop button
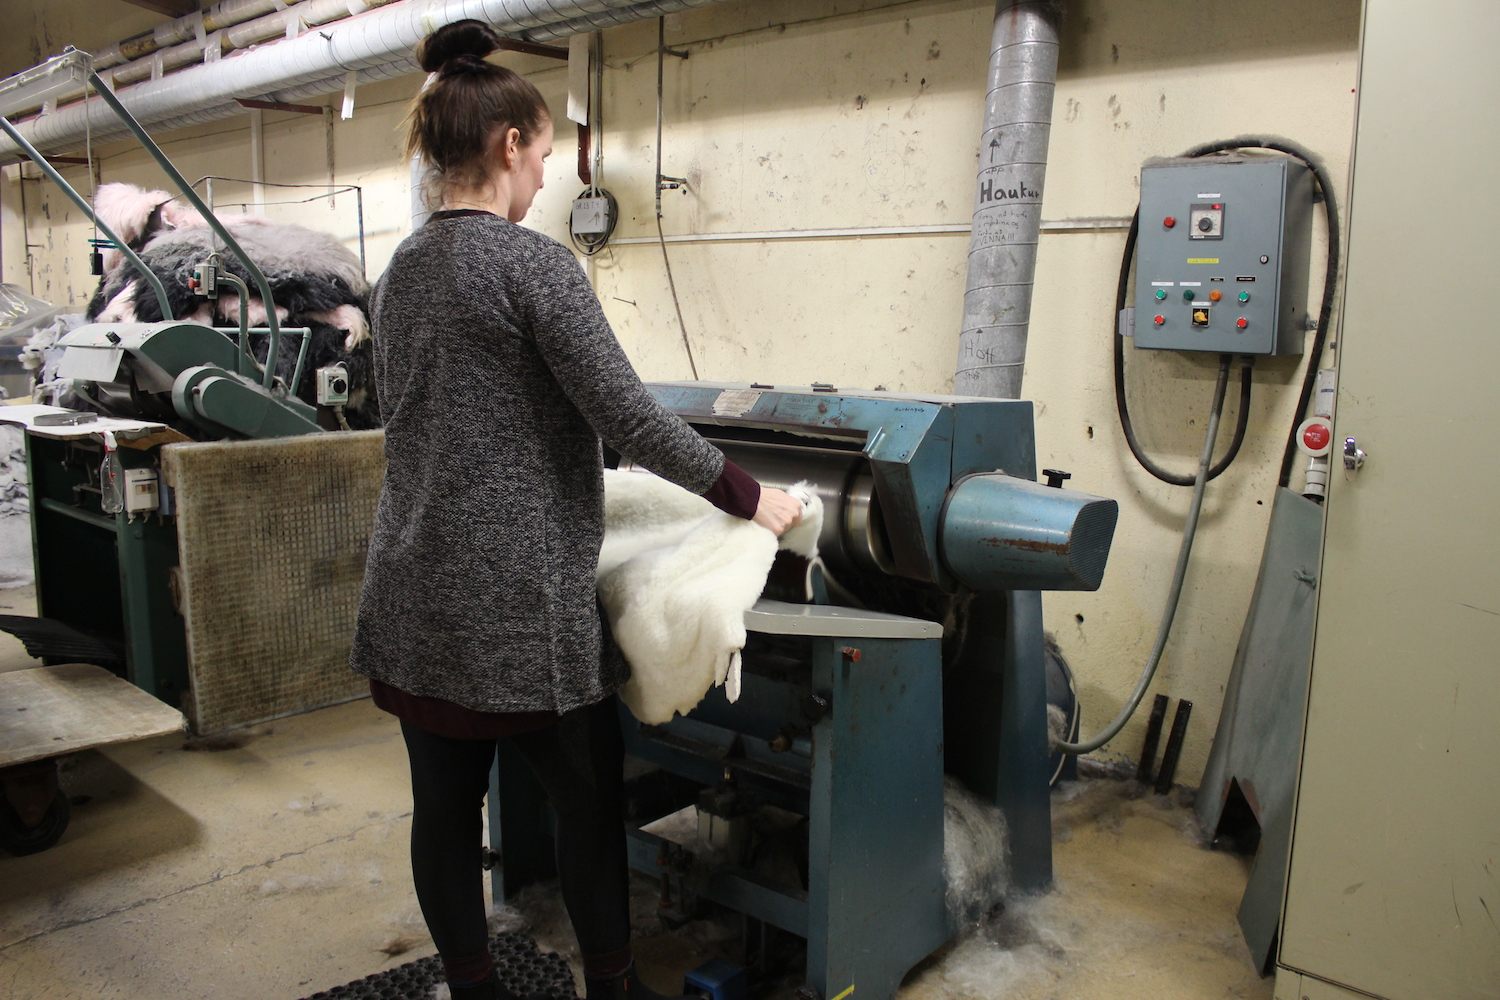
[(1315, 437)]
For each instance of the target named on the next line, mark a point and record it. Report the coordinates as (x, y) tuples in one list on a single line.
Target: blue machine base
[(717, 980)]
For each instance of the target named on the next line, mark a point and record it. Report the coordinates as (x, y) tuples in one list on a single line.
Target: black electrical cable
[(1242, 420), (589, 244), (1320, 338), (1330, 275), (1179, 575)]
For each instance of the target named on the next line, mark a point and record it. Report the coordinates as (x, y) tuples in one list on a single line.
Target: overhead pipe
[(305, 15), (221, 15), (408, 65), (601, 20), (376, 44), (1008, 199)]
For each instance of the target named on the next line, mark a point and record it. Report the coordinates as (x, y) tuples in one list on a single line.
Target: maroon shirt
[(734, 492)]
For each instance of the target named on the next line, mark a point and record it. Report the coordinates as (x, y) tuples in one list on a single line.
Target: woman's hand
[(777, 511)]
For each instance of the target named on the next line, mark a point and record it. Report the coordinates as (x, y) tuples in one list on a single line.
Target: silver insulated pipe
[(1008, 199), (375, 44)]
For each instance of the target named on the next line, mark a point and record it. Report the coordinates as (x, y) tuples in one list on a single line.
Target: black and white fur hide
[(315, 282)]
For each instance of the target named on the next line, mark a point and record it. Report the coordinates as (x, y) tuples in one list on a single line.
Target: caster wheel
[(34, 812)]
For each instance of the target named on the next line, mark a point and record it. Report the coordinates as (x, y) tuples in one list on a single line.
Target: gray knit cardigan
[(497, 375)]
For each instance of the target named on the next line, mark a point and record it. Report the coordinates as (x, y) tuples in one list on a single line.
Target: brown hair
[(455, 117)]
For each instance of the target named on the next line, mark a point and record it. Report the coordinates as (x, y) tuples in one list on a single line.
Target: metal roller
[(853, 535)]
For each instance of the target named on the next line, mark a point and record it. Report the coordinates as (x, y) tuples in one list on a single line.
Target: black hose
[(1242, 420), (1320, 338)]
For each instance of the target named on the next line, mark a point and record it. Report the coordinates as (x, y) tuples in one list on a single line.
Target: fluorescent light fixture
[(31, 87)]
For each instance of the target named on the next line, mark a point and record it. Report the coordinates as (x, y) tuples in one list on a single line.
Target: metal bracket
[(534, 48), (257, 105)]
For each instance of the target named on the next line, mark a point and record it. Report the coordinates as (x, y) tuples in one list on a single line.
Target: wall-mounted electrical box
[(1221, 259)]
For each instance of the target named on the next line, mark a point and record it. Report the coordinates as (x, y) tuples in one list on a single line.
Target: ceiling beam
[(171, 8)]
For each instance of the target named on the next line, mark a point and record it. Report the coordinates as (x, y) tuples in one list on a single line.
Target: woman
[(498, 375)]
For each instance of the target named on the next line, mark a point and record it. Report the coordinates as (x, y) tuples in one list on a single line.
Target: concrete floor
[(273, 865)]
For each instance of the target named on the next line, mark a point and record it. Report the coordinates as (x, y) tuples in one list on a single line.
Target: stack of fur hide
[(315, 281)]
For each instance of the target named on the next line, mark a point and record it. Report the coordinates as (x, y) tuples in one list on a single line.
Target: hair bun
[(459, 47), (467, 62)]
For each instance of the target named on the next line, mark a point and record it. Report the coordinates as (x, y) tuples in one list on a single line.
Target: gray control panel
[(1221, 259)]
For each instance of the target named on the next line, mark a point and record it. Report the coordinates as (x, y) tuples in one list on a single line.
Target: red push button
[(1242, 322), (1158, 319), (1315, 437), (1169, 221)]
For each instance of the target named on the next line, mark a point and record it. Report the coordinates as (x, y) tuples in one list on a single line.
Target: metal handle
[(1354, 455)]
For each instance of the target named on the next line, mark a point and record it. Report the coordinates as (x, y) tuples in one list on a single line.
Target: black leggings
[(580, 763)]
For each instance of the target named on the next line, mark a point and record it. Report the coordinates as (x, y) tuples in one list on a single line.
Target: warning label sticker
[(735, 402)]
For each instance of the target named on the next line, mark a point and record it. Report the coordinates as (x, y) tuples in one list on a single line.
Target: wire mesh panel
[(272, 538)]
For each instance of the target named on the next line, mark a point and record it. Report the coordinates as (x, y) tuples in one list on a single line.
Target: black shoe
[(485, 989), (626, 986), (491, 989)]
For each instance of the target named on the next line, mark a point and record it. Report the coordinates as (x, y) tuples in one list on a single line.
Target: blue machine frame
[(883, 714)]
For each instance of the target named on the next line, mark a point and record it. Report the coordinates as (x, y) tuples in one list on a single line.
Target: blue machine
[(921, 654), (716, 980)]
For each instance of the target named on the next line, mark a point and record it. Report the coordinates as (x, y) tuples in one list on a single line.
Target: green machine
[(104, 536)]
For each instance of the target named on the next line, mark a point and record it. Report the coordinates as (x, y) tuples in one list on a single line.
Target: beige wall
[(831, 114)]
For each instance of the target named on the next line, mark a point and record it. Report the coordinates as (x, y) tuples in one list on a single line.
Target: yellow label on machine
[(1203, 260)]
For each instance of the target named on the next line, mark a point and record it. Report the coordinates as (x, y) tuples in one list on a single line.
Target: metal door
[(1394, 886)]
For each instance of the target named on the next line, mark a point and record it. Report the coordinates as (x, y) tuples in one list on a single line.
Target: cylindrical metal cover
[(1004, 533)]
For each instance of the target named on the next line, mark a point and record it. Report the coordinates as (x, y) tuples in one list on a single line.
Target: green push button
[(1244, 296), (1161, 293), (1187, 295)]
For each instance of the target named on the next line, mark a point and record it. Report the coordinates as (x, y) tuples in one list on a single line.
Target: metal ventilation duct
[(377, 44), (1008, 199)]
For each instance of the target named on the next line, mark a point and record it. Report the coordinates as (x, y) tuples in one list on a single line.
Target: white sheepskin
[(121, 308), (228, 310), (676, 576), (350, 319), (125, 209)]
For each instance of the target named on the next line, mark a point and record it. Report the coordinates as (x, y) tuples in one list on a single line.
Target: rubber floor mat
[(47, 638), (524, 971)]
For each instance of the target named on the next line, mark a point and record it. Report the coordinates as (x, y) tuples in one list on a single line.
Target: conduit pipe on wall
[(1008, 199), (221, 15), (407, 65), (635, 12), (301, 16), (377, 44)]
